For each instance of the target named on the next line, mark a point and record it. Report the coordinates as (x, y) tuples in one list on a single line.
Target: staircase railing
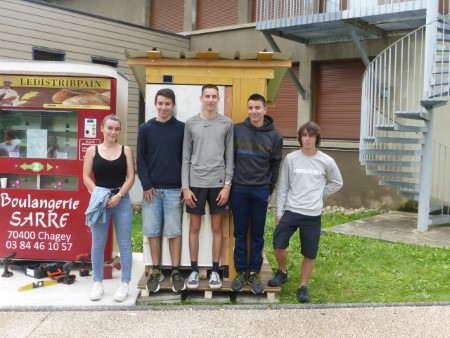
[(268, 10), (400, 91)]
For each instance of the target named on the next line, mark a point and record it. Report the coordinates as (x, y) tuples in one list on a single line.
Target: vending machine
[(50, 113)]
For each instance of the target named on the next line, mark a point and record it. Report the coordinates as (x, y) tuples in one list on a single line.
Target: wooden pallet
[(204, 289)]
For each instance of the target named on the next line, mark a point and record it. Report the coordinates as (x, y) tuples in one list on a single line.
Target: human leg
[(194, 231), (216, 227), (282, 234), (122, 216), (258, 212), (99, 232), (241, 214)]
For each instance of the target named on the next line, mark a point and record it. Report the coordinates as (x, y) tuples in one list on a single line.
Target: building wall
[(28, 24), (130, 11)]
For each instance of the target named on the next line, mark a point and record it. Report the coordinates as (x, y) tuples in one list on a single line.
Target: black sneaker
[(177, 281), (279, 278), (153, 282), (238, 282), (302, 294), (255, 281)]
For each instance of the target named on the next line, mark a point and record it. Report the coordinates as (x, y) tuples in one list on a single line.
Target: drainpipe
[(426, 173)]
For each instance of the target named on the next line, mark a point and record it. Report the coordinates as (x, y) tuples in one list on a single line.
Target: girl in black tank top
[(112, 165), (109, 174)]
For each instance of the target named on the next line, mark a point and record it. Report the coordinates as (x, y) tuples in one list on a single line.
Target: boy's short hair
[(209, 85), (257, 97), (310, 128), (166, 92)]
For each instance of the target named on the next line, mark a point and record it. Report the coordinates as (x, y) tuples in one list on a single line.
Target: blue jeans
[(164, 213), (249, 207), (122, 216)]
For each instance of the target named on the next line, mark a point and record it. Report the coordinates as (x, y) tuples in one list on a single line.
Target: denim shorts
[(163, 215), (309, 234)]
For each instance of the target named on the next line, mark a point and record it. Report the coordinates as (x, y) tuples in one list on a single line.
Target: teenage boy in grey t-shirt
[(207, 171), (307, 175)]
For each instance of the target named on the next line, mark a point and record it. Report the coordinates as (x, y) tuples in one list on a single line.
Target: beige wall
[(131, 11)]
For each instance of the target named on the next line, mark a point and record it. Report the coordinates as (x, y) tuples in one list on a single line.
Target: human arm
[(188, 196), (334, 179), (126, 186), (87, 169), (275, 162), (142, 160), (283, 188)]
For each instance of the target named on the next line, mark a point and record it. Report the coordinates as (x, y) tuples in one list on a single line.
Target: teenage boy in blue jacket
[(257, 158)]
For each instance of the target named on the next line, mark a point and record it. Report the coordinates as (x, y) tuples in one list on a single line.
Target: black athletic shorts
[(210, 195)]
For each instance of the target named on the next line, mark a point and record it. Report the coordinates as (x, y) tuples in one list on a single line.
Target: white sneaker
[(214, 281), (122, 292), (97, 291), (193, 280)]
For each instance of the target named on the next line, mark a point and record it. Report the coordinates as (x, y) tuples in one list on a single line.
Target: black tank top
[(109, 174)]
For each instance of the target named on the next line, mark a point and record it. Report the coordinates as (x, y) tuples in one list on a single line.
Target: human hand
[(223, 196), (113, 201), (277, 220), (148, 195), (189, 198)]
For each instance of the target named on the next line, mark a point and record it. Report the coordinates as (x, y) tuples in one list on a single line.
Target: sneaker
[(214, 280), (122, 292), (153, 282), (177, 281), (279, 278), (97, 291), (255, 281), (302, 294), (238, 282), (193, 280)]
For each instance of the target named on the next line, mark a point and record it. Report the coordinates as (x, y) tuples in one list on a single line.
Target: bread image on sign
[(84, 97)]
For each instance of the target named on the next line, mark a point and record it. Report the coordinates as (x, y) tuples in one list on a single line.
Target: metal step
[(443, 26), (439, 81), (401, 140), (443, 36), (413, 115), (400, 184), (432, 103), (382, 163), (442, 59), (400, 127), (388, 173), (442, 92), (392, 152), (440, 47), (439, 219)]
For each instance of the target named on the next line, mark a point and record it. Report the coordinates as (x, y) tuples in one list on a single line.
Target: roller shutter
[(212, 14), (338, 99), (167, 15)]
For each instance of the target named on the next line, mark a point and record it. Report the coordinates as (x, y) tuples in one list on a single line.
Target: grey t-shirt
[(207, 152)]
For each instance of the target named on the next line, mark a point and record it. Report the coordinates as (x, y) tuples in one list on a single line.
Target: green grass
[(353, 269)]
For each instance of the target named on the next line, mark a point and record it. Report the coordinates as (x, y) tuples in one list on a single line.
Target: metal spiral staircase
[(404, 90)]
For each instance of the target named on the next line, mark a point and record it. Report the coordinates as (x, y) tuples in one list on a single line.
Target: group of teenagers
[(209, 161)]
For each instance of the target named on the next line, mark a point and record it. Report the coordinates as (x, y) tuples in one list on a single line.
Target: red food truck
[(50, 113)]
